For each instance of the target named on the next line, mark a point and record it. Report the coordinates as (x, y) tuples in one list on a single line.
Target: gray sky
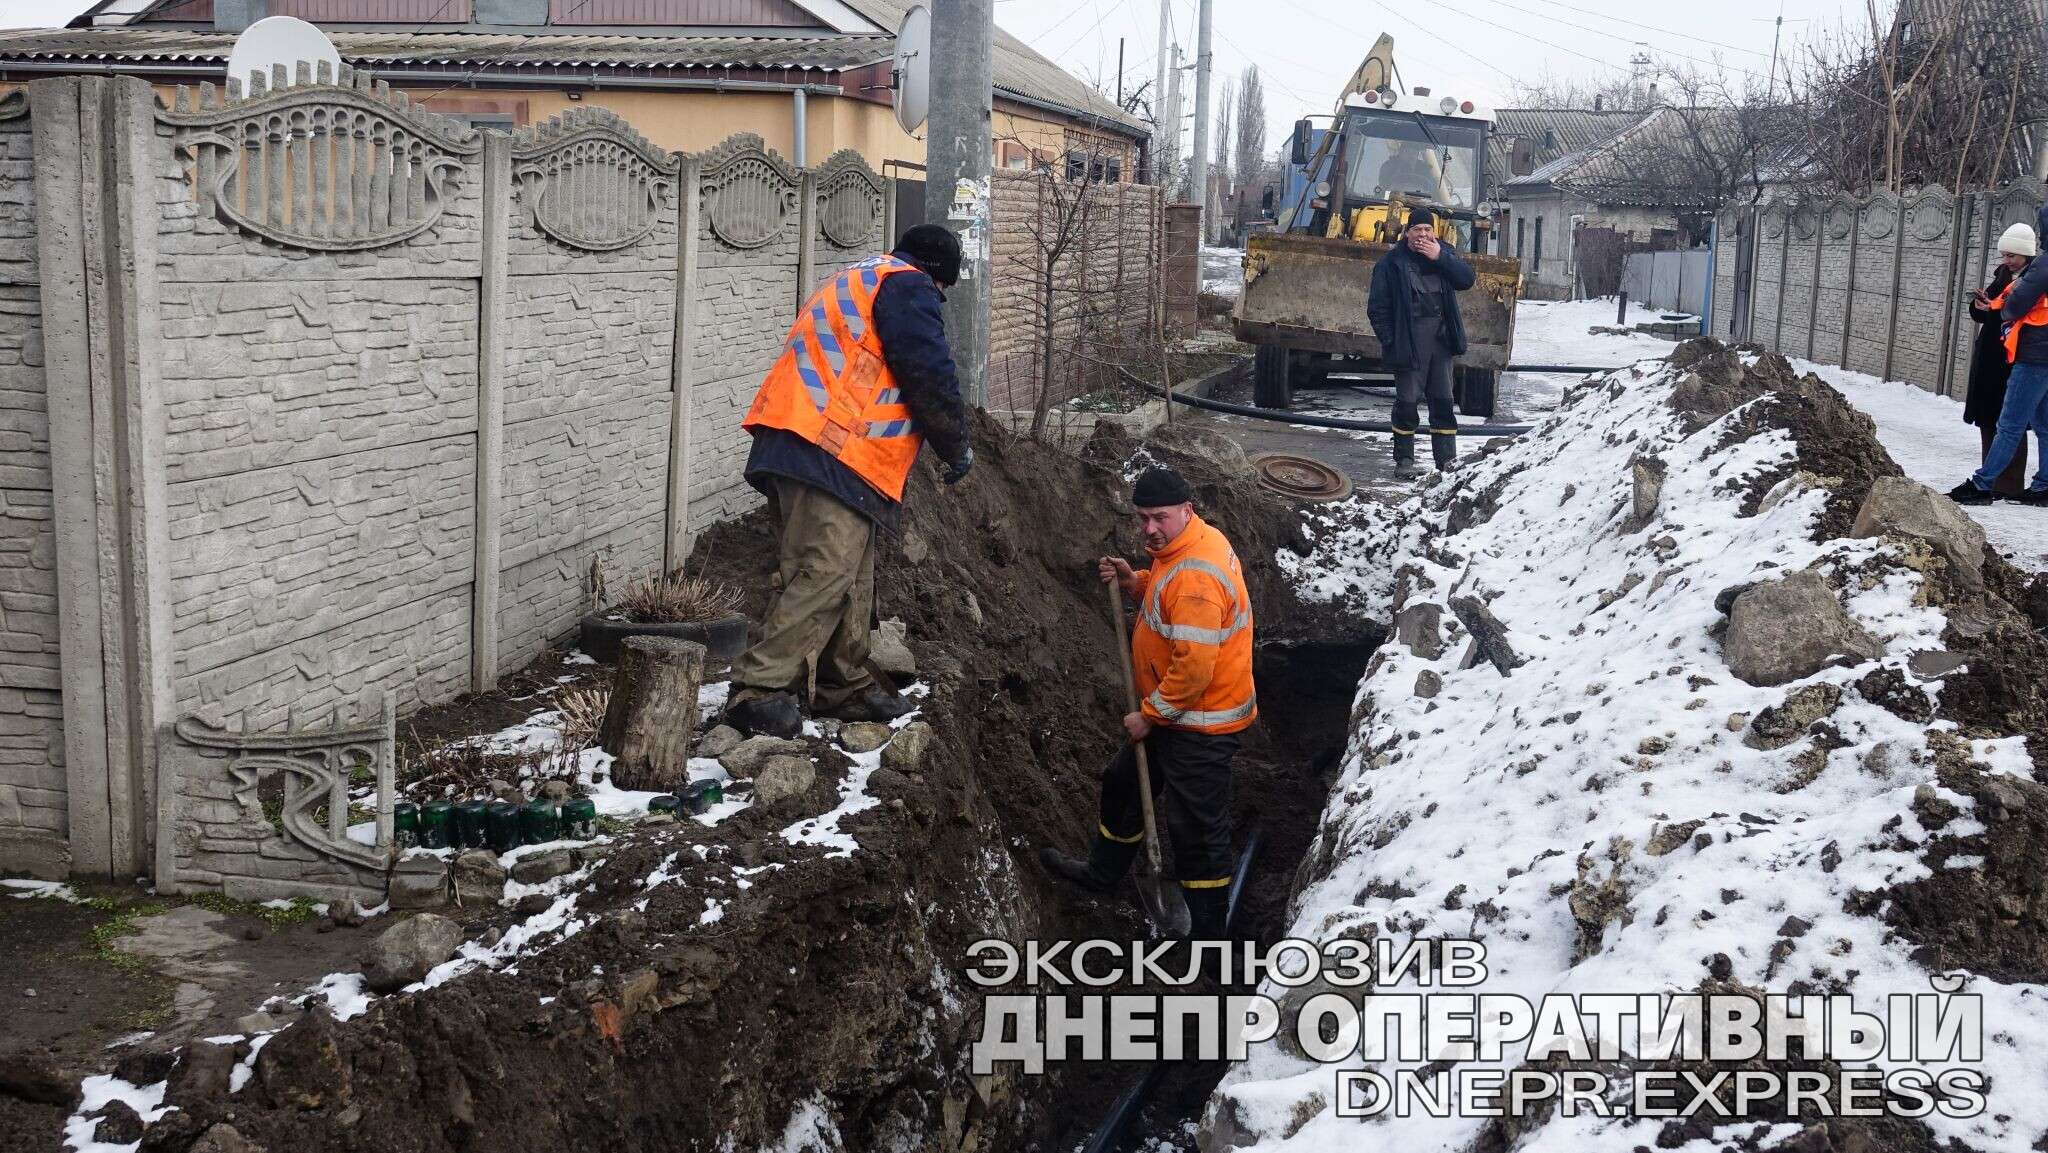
[(1306, 49)]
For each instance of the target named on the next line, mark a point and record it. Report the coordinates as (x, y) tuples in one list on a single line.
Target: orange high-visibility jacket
[(2036, 315), (1192, 649), (831, 386)]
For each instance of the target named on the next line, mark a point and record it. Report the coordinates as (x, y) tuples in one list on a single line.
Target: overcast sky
[(1306, 49)]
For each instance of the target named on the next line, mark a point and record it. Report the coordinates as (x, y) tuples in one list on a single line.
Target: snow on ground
[(1223, 271), (1926, 435), (97, 1093), (1461, 786)]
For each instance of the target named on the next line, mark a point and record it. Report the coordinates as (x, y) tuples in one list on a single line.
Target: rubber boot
[(1107, 863), (774, 714), (1404, 455), (1207, 910), (1445, 448)]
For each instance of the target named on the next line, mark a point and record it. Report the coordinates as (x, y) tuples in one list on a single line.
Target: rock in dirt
[(257, 1022), (1669, 837), (864, 736), (784, 782), (1488, 633), (1789, 628), (302, 1067), (1900, 507), (224, 1138), (1420, 627), (479, 878), (1198, 439), (405, 952), (1888, 689), (541, 867), (36, 1079), (889, 649), (747, 758), (534, 904), (506, 791), (1782, 724), (418, 883), (556, 791), (720, 740), (907, 751), (203, 1072), (1428, 684), (119, 1124), (1646, 474), (346, 914)]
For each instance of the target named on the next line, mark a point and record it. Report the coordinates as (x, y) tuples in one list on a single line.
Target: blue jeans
[(2026, 406)]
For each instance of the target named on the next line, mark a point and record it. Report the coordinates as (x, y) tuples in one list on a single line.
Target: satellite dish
[(913, 68), (282, 40)]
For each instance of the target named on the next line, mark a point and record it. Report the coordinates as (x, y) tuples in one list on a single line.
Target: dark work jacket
[(1988, 368), (913, 336), (1392, 312), (2030, 287)]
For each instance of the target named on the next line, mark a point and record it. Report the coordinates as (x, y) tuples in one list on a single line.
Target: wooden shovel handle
[(1123, 653)]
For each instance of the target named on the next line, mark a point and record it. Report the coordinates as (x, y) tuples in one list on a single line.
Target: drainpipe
[(801, 108)]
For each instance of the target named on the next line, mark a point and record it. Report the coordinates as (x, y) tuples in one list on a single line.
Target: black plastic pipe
[(1312, 421), (1125, 1109)]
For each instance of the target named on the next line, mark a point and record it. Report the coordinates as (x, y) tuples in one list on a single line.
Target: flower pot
[(724, 638)]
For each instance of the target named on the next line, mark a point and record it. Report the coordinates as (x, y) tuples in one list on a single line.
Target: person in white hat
[(2023, 317), (1988, 365)]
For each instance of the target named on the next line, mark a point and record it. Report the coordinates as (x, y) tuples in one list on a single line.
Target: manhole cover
[(1300, 478)]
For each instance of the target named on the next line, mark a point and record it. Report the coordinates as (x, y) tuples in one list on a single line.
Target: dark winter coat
[(1988, 368), (913, 335), (1392, 312)]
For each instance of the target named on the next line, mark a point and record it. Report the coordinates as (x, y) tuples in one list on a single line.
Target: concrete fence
[(310, 398), (1878, 285)]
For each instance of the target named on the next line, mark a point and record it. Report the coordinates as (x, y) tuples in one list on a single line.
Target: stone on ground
[(1782, 724), (418, 883), (718, 741), (407, 951), (479, 878), (1793, 627), (784, 781), (747, 758), (1900, 507), (864, 736), (907, 751), (889, 649), (542, 867)]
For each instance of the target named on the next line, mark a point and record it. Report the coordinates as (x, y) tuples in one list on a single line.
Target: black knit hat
[(1160, 488), (1419, 216), (934, 248)]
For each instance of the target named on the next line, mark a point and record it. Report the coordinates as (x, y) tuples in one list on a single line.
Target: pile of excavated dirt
[(1689, 693), (754, 984)]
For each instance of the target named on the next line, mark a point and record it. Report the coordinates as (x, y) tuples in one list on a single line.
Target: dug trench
[(751, 986)]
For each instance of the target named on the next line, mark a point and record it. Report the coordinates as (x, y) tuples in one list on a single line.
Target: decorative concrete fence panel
[(1880, 285), (316, 407)]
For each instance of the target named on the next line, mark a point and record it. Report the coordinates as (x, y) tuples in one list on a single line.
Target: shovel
[(1164, 905)]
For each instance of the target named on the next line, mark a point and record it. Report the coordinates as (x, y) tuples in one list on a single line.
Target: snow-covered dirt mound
[(1689, 692)]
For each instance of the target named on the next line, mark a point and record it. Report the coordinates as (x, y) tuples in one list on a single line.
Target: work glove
[(958, 469)]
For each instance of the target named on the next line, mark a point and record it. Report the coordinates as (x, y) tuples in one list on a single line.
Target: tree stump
[(652, 715)]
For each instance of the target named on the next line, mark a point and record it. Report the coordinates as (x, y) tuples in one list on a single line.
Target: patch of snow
[(363, 833), (345, 994), (714, 911), (246, 1067), (96, 1093), (823, 830), (28, 890), (810, 1128), (711, 698), (579, 657)]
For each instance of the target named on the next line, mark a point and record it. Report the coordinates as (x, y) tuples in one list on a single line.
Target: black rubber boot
[(1968, 493), (873, 704), (1445, 449), (1107, 863), (769, 714), (1207, 909)]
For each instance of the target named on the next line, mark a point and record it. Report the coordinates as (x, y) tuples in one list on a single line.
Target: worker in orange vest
[(1191, 654), (865, 377), (2023, 309)]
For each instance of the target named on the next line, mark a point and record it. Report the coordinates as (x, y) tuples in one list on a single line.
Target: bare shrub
[(676, 598)]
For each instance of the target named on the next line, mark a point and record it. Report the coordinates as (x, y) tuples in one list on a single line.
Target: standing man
[(2023, 311), (1413, 306), (865, 377), (1192, 656)]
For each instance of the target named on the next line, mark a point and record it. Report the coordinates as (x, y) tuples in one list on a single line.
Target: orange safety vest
[(2037, 315), (831, 386), (1192, 649)]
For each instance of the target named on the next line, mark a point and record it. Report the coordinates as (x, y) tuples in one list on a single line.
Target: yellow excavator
[(1347, 196)]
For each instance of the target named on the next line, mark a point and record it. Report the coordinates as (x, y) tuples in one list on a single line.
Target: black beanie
[(1419, 216), (934, 248), (1160, 488)]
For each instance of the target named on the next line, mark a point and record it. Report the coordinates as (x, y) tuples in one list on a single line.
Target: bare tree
[(1056, 231), (1251, 127), (1226, 116), (1549, 90)]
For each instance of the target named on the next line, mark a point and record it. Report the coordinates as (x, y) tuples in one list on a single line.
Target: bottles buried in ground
[(405, 824), (502, 826), (437, 821), (579, 818), (664, 804), (538, 823), (471, 825), (699, 796)]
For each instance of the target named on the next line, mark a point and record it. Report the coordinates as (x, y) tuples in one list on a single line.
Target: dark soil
[(836, 981)]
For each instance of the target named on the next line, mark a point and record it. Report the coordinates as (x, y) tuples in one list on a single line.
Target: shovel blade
[(1164, 906)]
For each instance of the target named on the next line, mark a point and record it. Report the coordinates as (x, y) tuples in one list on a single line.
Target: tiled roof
[(826, 52)]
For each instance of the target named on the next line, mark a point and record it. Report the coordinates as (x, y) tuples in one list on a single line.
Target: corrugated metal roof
[(829, 52), (1551, 133), (1665, 159)]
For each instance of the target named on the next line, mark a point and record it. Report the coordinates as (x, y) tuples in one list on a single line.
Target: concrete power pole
[(1160, 117), (1198, 161), (959, 152)]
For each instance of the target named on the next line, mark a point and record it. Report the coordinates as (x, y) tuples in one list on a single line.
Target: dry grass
[(582, 715), (676, 598)]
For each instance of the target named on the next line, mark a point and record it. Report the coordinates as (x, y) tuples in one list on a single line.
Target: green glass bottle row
[(499, 826)]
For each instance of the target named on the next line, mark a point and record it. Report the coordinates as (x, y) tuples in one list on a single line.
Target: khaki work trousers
[(823, 604)]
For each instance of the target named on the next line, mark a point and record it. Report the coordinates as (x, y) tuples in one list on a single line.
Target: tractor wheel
[(1475, 389), (1270, 385)]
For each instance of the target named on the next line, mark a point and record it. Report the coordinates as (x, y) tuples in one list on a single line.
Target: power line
[(1616, 36), (1649, 27)]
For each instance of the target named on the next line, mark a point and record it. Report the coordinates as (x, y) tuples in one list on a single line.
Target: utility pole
[(1198, 162), (1161, 117), (958, 155), (1170, 146), (1119, 73)]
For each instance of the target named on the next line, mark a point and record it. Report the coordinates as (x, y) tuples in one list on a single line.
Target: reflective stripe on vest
[(832, 387), (1199, 718), (1195, 633), (2036, 316)]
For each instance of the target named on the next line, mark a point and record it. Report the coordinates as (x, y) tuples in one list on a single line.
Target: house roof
[(1655, 161), (1551, 133), (1021, 73)]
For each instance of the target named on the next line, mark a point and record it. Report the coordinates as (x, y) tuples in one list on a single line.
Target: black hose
[(1576, 369), (1303, 418)]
